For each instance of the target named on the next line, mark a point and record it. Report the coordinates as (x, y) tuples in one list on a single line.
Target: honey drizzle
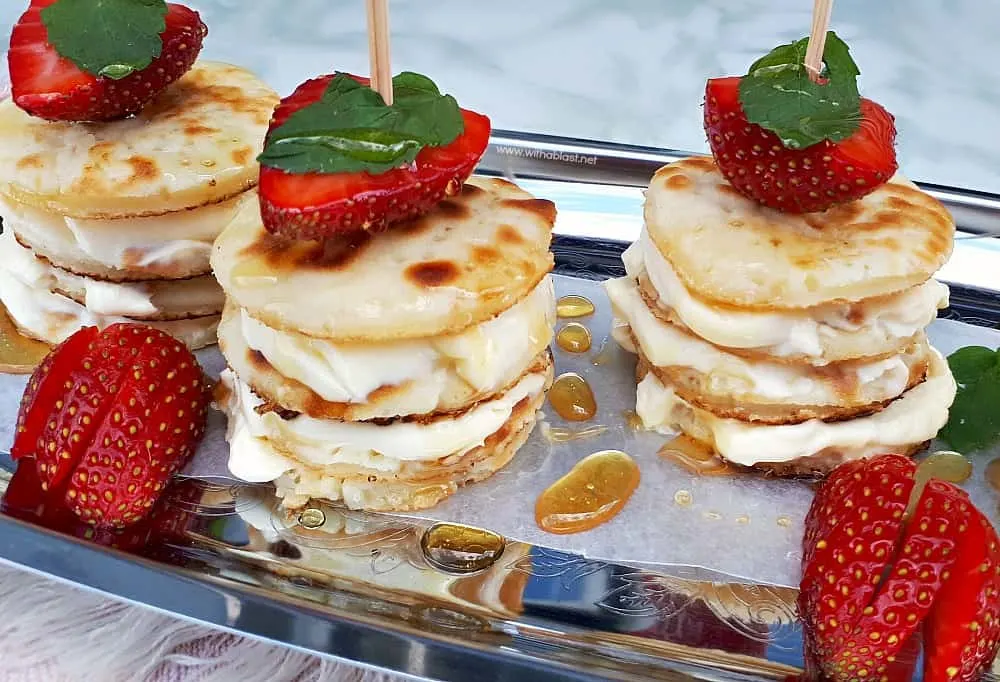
[(632, 420), (592, 493), (993, 473), (461, 549), (947, 466), (695, 457), (574, 306), (556, 434), (18, 353), (574, 338), (572, 398)]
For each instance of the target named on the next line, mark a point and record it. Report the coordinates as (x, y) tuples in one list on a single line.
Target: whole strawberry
[(109, 417), (795, 145), (80, 60)]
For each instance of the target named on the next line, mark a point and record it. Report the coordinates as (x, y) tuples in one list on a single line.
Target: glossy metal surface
[(358, 586)]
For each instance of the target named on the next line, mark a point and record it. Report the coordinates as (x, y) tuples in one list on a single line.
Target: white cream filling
[(102, 298), (487, 356), (915, 417), (126, 242), (329, 442), (665, 345), (786, 333)]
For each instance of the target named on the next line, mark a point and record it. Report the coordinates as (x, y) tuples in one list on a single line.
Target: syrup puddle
[(574, 338), (572, 398), (574, 306), (592, 493)]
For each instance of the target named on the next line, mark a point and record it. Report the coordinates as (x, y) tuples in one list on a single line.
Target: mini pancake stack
[(110, 222), (787, 342), (385, 370)]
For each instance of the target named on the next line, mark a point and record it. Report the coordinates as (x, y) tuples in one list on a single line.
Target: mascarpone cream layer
[(123, 243), (808, 333), (665, 345), (487, 356), (915, 417), (134, 300), (258, 441)]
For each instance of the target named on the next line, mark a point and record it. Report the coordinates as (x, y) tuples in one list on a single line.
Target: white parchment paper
[(731, 525)]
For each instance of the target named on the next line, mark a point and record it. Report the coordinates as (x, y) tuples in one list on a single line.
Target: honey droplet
[(784, 522), (461, 549), (713, 516), (18, 353), (993, 473), (947, 466), (312, 518), (695, 457), (683, 498), (632, 420), (593, 492), (572, 398), (743, 520), (555, 434), (574, 338), (574, 306), (603, 356)]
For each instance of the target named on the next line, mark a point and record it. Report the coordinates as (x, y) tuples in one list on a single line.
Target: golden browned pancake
[(196, 144), (732, 251), (473, 257)]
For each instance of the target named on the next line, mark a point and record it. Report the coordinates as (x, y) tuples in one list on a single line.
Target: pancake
[(767, 391), (380, 466), (735, 252), (51, 317), (872, 328), (171, 246), (812, 446), (195, 144), (369, 381), (150, 300), (474, 256)]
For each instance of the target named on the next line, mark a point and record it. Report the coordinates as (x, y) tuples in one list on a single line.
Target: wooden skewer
[(378, 48), (822, 10)]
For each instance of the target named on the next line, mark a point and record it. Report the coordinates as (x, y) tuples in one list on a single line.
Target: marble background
[(634, 70)]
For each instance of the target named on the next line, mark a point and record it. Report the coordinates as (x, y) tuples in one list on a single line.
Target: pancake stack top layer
[(788, 342), (112, 221), (386, 370)]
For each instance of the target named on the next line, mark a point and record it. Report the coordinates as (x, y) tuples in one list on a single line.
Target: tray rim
[(212, 600)]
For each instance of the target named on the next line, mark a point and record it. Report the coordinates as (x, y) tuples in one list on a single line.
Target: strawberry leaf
[(777, 94), (108, 38), (351, 129), (974, 420)]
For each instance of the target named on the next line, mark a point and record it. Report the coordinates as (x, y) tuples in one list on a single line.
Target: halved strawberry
[(321, 206), (962, 631), (49, 86), (756, 163), (854, 538), (122, 414)]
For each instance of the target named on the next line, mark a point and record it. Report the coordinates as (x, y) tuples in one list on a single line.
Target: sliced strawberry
[(320, 206), (45, 387), (47, 85), (756, 163), (962, 631), (110, 418), (853, 529), (925, 556), (146, 436)]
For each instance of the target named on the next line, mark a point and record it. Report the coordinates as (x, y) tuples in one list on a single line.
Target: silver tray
[(361, 586)]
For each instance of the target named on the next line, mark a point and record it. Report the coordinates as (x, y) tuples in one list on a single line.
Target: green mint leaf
[(969, 364), (777, 94), (351, 129), (108, 38), (974, 419)]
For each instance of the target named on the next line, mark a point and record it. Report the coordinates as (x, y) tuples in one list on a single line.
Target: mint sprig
[(777, 94), (351, 129), (974, 421), (109, 38)]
